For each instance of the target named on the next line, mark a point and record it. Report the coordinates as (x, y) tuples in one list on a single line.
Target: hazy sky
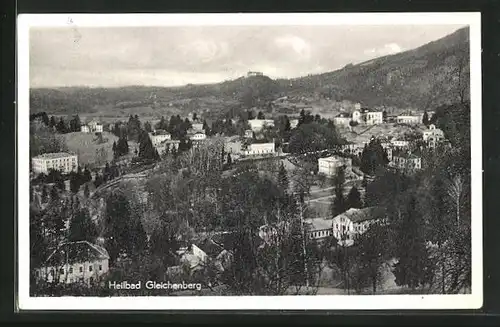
[(166, 56)]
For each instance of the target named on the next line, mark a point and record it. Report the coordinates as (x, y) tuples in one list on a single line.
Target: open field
[(85, 145)]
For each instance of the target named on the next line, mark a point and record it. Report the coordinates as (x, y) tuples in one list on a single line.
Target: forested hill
[(424, 77)]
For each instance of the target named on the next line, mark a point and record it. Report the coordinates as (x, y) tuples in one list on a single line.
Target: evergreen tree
[(354, 198), (82, 228), (147, 127), (106, 172), (338, 203), (124, 231), (61, 126), (283, 179), (146, 148), (425, 119), (86, 191), (87, 176), (45, 119), (74, 182), (52, 122), (250, 115), (206, 128), (44, 193), (195, 117), (260, 115), (302, 118), (115, 150), (413, 266), (229, 159)]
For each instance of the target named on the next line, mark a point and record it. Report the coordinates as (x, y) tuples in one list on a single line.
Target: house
[(158, 136), (294, 123), (318, 228), (342, 119), (232, 146), (432, 136), (330, 165), (257, 125), (62, 161), (92, 127), (198, 136), (406, 161), (353, 222), (197, 127), (249, 74), (203, 252), (75, 262), (248, 133), (258, 149), (167, 144), (353, 148), (409, 119), (398, 143), (367, 116)]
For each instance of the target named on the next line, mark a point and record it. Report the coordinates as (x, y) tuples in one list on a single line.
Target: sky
[(175, 55)]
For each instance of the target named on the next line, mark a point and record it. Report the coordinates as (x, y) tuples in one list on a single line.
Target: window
[(81, 268), (71, 270), (100, 267), (61, 271), (90, 268)]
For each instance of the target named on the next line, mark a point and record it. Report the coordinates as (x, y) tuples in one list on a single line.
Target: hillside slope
[(420, 78)]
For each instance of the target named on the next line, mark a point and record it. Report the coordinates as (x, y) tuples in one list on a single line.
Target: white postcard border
[(316, 302)]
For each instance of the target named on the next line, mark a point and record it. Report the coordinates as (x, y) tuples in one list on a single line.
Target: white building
[(258, 125), (353, 222), (432, 136), (353, 148), (342, 119), (400, 143), (167, 144), (365, 116), (319, 228), (259, 149), (409, 119), (198, 136), (249, 74), (159, 136), (74, 262), (197, 127), (294, 123), (61, 161), (248, 133), (406, 161), (92, 127), (330, 165)]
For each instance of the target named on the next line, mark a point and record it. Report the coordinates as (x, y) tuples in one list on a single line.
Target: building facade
[(433, 136), (342, 119), (347, 225), (62, 161), (409, 119), (330, 165), (406, 161), (75, 262), (259, 149), (318, 229), (257, 125), (159, 136), (92, 127), (198, 136)]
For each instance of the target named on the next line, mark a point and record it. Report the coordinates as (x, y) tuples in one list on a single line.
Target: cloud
[(387, 49), (297, 44)]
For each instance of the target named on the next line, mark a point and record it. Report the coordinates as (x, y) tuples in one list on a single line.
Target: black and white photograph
[(250, 161)]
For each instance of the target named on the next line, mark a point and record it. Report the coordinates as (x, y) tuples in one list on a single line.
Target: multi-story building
[(159, 136), (401, 144), (248, 133), (197, 127), (353, 148), (409, 119), (258, 149), (319, 228), (92, 127), (342, 119), (167, 144), (249, 74), (258, 125), (406, 161), (330, 165), (294, 123), (432, 136), (75, 262), (198, 136), (62, 161), (347, 225)]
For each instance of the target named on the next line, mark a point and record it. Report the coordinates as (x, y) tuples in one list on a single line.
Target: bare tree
[(455, 188)]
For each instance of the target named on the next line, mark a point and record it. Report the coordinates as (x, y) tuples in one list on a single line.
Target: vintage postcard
[(249, 161)]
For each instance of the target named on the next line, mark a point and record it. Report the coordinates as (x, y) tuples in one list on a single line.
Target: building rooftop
[(54, 155), (360, 215), (160, 132), (344, 115), (333, 159), (316, 224), (76, 252)]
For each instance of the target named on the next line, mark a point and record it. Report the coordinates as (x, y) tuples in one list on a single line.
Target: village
[(323, 168)]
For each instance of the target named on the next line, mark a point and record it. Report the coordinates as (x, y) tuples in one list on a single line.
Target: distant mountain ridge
[(420, 78)]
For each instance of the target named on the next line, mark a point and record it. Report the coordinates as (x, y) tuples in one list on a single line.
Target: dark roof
[(360, 215), (209, 247), (344, 115), (76, 252)]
